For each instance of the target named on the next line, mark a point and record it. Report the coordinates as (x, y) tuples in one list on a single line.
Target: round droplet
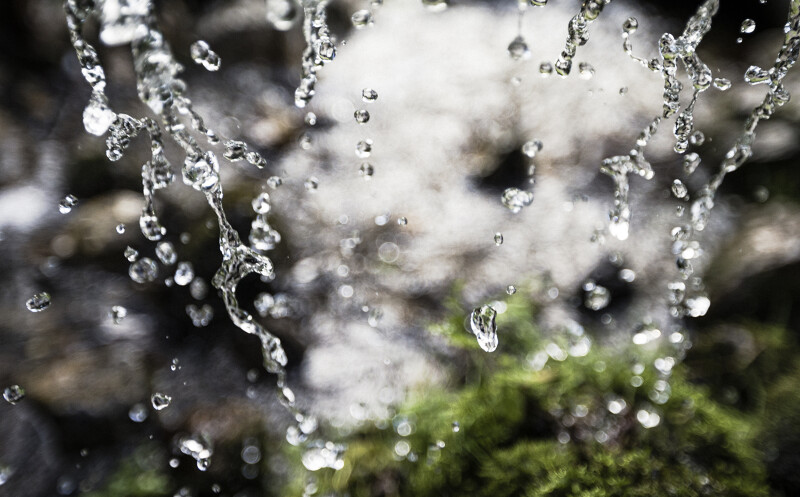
[(690, 162), (202, 54), (144, 270), (38, 302), (498, 239), (597, 297), (748, 26), (305, 141), (630, 26), (118, 313), (362, 116), (201, 172), (511, 289), (67, 203), (234, 150), (364, 148), (120, 228), (165, 252), (283, 14), (274, 182), (366, 170), (261, 203), (13, 394), (482, 323), (184, 273), (311, 184), (456, 427), (130, 253), (531, 148), (311, 119), (722, 84), (545, 69), (160, 401), (369, 95), (518, 49), (697, 138), (515, 199), (361, 19), (623, 90), (402, 221), (679, 189), (586, 70), (97, 117)]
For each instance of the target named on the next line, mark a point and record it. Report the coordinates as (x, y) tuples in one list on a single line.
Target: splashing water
[(483, 326)]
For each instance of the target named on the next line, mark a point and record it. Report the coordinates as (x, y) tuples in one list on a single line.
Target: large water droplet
[(283, 14), (201, 172), (364, 148), (630, 25), (369, 95), (13, 394), (482, 323), (130, 253), (361, 19), (518, 49), (38, 302), (261, 203), (515, 199), (165, 252), (748, 26), (144, 270), (498, 239), (362, 116), (184, 273), (679, 189)]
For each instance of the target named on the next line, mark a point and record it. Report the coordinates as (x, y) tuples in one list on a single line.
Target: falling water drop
[(511, 289), (690, 162), (697, 138), (310, 119), (366, 170), (362, 116), (234, 150), (361, 19), (274, 182), (13, 394), (261, 203), (202, 54), (130, 253), (679, 189), (482, 323), (144, 270), (160, 401), (545, 69), (38, 302), (117, 314), (402, 221), (630, 26), (531, 148), (364, 148), (586, 70), (184, 273), (165, 252), (722, 84), (311, 184), (518, 49), (597, 297), (498, 238), (748, 26), (515, 199), (120, 228), (369, 95), (67, 203), (97, 117), (283, 14), (456, 427)]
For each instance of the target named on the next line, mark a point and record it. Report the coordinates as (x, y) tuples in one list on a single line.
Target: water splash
[(483, 326), (578, 33)]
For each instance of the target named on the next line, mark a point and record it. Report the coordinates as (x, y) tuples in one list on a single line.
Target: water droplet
[(545, 69), (361, 19), (456, 427), (201, 172), (199, 448), (748, 26), (722, 84), (597, 297), (511, 289), (150, 226), (402, 221), (630, 25), (374, 317), (690, 162), (234, 150), (648, 419), (366, 170), (326, 51), (435, 5), (200, 316), (498, 238), (165, 252), (131, 253), (679, 189), (117, 313), (262, 236), (623, 90), (518, 49), (586, 70), (144, 270), (160, 401), (305, 141), (530, 148), (202, 54), (13, 394), (362, 116), (256, 159), (311, 184), (261, 203), (137, 413), (697, 138), (120, 228), (283, 14), (274, 182), (698, 306), (97, 117), (67, 203), (482, 323), (364, 148), (184, 273), (515, 199), (263, 303), (369, 95), (38, 302)]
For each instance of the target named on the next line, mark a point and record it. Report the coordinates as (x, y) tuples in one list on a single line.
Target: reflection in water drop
[(38, 302), (482, 323)]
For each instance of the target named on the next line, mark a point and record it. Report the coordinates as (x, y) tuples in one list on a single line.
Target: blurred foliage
[(533, 432)]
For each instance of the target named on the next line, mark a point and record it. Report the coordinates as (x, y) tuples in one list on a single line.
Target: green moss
[(526, 432)]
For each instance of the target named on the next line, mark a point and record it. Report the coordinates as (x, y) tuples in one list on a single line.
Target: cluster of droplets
[(262, 236), (578, 33), (319, 49)]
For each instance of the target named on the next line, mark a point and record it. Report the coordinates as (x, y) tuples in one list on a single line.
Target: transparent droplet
[(97, 117), (199, 448), (630, 25), (586, 70), (38, 302), (311, 184), (697, 138), (498, 239), (117, 314), (202, 54), (184, 273), (361, 19), (326, 51), (435, 5), (13, 394), (722, 84), (679, 189), (515, 199), (138, 413), (364, 148), (482, 323), (263, 303), (120, 228), (366, 170), (234, 150), (369, 95), (690, 162), (201, 172), (531, 148), (255, 159), (261, 203), (67, 203), (748, 26), (518, 49), (130, 253), (362, 116), (456, 427), (597, 297), (165, 252), (402, 221), (143, 271), (545, 69), (274, 182), (151, 227), (160, 401), (511, 289), (305, 141)]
